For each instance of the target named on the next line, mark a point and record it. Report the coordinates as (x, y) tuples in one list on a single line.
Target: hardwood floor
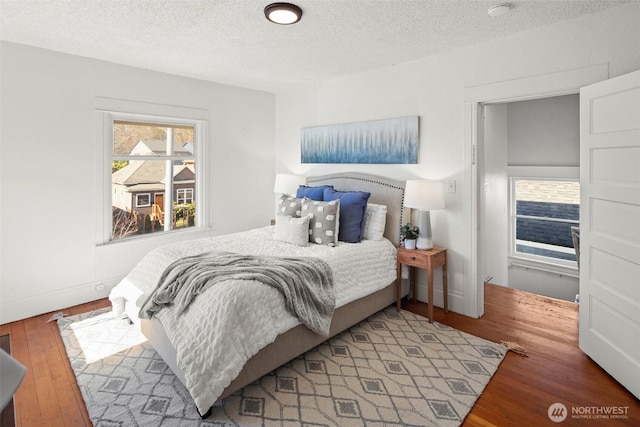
[(556, 370), (49, 394), (519, 394)]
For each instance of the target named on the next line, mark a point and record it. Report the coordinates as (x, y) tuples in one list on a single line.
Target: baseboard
[(35, 305)]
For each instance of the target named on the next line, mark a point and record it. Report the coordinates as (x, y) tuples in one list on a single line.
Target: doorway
[(158, 207), (530, 195), (475, 99)]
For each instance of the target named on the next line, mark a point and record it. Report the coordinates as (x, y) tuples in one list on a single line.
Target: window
[(184, 195), (152, 160), (149, 151), (543, 212), (143, 200)]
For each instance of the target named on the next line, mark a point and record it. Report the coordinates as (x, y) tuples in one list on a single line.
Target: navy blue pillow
[(313, 193), (353, 205)]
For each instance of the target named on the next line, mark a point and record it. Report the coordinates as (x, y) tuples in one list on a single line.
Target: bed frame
[(300, 339)]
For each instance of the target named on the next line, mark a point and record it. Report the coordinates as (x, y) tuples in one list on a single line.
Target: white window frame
[(108, 111), (138, 205), (538, 262), (185, 191)]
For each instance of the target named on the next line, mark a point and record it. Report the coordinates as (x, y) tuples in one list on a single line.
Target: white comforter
[(230, 323)]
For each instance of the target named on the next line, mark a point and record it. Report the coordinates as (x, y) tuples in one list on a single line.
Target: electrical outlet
[(100, 287), (451, 186)]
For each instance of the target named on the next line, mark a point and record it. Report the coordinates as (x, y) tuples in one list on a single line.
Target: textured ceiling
[(230, 41)]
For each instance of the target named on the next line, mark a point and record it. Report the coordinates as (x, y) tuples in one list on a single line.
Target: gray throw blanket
[(305, 282)]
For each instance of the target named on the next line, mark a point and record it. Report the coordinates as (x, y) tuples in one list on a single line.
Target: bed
[(183, 342)]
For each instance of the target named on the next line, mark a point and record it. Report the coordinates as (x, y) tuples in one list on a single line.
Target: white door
[(609, 329)]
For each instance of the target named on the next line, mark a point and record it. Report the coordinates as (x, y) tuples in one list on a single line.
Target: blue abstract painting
[(388, 141)]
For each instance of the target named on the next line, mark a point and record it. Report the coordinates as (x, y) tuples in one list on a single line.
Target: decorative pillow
[(375, 219), (292, 230), (291, 206), (324, 224), (313, 193), (352, 207)]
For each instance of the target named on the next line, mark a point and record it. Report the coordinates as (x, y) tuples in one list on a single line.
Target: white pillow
[(292, 230), (375, 219)]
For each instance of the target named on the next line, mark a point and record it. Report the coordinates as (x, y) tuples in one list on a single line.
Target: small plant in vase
[(409, 233)]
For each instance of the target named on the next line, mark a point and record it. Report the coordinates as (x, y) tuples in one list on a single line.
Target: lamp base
[(424, 243), (425, 239)]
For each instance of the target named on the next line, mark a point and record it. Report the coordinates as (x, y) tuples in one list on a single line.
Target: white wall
[(433, 88), (49, 199), (545, 132), (545, 283)]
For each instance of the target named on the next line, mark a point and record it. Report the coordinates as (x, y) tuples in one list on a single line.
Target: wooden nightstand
[(428, 259)]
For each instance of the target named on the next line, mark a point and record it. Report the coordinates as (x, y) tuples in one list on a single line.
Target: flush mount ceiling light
[(499, 9), (283, 13)]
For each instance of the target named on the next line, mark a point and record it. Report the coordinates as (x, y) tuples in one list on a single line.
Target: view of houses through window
[(544, 212), (153, 178)]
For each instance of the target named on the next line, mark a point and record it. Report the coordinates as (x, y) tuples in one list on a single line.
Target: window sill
[(159, 238)]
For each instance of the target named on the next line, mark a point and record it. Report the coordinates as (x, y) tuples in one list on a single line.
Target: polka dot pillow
[(290, 206), (324, 223)]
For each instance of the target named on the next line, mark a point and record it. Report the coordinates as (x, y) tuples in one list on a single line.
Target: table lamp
[(425, 196)]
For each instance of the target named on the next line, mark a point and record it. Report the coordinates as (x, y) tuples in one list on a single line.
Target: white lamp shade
[(424, 195), (288, 183)]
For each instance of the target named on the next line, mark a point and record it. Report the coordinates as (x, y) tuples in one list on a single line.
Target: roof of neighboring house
[(183, 173), (150, 172), (159, 146)]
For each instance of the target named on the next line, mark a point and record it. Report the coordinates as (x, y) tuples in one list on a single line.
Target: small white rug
[(393, 369)]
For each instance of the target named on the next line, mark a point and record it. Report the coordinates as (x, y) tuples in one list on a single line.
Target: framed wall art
[(388, 141)]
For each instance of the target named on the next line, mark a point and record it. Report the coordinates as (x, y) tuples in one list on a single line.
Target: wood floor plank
[(519, 394), (45, 389), (27, 404)]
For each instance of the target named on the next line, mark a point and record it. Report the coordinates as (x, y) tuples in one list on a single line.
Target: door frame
[(474, 98)]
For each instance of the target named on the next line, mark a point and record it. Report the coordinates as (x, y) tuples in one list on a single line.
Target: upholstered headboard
[(384, 191)]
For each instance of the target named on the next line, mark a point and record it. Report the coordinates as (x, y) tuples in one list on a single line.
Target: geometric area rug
[(393, 369)]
